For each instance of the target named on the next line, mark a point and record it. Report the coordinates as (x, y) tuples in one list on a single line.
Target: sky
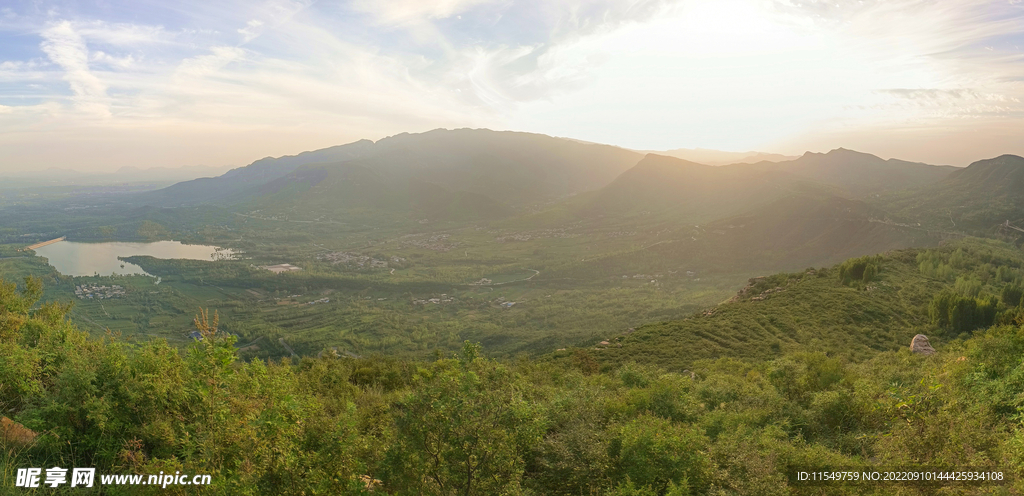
[(100, 85)]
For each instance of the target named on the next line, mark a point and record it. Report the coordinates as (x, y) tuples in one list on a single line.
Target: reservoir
[(86, 259)]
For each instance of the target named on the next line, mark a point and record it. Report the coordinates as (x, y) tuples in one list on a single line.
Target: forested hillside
[(845, 310)]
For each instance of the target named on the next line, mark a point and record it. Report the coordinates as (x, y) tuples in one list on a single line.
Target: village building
[(281, 268)]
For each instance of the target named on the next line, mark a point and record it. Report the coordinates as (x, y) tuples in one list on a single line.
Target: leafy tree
[(464, 429), (869, 273), (1012, 295), (863, 269), (960, 313), (968, 286)]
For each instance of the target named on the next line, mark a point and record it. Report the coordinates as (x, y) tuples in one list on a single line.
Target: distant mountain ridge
[(684, 190), (857, 173), (467, 174), (975, 199), (228, 187), (508, 169), (698, 192), (350, 191), (1000, 175), (718, 157)]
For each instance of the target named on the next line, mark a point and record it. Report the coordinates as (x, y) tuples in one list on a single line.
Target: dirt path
[(289, 348)]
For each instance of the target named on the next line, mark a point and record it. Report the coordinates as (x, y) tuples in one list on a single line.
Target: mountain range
[(826, 206), (513, 169)]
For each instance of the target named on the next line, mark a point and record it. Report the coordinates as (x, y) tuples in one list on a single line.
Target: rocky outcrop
[(920, 345), (746, 290)]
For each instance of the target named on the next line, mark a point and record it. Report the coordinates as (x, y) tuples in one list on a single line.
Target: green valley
[(554, 244), (554, 317)]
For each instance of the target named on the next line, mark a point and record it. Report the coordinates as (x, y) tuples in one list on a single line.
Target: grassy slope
[(811, 312)]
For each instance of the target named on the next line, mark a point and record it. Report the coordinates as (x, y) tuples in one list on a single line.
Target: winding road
[(535, 274)]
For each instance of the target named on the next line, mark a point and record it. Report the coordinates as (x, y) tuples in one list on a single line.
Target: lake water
[(86, 259)]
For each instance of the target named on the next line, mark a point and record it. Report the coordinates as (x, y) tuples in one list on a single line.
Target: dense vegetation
[(619, 421), (470, 425)]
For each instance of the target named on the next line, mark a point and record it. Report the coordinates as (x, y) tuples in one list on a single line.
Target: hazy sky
[(99, 85)]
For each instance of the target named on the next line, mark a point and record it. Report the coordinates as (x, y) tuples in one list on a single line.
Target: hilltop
[(672, 375)]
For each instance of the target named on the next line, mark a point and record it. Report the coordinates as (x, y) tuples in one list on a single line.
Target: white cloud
[(931, 103), (406, 11), (208, 64), (251, 30), (112, 61), (281, 10), (122, 34), (66, 48)]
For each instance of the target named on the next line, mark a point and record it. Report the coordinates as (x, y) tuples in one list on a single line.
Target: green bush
[(655, 452)]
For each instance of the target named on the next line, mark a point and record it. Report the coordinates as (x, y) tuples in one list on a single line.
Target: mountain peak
[(994, 173), (1010, 157), (845, 152), (1002, 161)]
